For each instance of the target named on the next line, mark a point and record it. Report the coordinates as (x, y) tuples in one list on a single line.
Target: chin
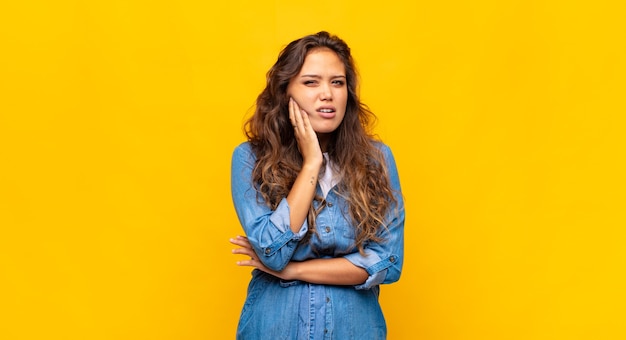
[(325, 129), (325, 126)]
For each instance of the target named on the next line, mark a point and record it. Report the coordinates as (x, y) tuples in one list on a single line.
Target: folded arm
[(332, 271)]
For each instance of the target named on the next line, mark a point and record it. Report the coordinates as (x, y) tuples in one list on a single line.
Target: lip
[(327, 115)]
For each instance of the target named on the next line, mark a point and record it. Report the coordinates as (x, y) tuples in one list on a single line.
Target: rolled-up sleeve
[(383, 260), (267, 230)]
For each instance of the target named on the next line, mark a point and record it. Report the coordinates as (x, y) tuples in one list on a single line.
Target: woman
[(319, 200)]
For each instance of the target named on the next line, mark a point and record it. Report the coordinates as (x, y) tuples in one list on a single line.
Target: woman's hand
[(246, 249), (334, 271), (306, 137)]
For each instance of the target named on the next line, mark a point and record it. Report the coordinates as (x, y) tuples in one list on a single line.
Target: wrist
[(291, 271), (312, 165)]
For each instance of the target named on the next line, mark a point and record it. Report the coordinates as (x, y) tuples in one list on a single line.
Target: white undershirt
[(329, 180)]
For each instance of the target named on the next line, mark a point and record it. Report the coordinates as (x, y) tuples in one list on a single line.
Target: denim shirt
[(271, 236), (276, 245)]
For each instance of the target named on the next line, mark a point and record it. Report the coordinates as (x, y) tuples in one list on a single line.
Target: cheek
[(296, 92), (344, 101), (344, 96), (293, 90)]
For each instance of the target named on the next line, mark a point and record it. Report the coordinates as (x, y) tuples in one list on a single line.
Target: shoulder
[(244, 148), (383, 148), (244, 151), (387, 155), (390, 163)]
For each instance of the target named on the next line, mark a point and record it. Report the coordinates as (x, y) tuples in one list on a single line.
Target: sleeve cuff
[(280, 218), (374, 265)]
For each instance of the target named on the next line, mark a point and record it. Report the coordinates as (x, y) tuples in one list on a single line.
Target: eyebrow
[(318, 76)]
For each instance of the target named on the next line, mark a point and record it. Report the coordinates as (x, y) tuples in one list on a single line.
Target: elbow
[(274, 262), (275, 253), (391, 279), (393, 274)]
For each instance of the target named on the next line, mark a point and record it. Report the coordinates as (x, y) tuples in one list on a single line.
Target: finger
[(250, 263), (235, 241), (297, 115), (294, 114), (239, 237), (306, 123), (244, 251), (241, 241), (292, 111)]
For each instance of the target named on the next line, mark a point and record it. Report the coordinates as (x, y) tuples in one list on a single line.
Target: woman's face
[(320, 90)]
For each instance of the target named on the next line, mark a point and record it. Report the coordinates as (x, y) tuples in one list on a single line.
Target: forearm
[(301, 195), (333, 271)]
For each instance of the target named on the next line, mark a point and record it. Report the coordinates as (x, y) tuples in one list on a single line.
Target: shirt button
[(325, 330), (327, 299), (268, 250), (392, 259), (330, 205), (327, 229)]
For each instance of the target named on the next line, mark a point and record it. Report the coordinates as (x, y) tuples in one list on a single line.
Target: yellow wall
[(118, 118)]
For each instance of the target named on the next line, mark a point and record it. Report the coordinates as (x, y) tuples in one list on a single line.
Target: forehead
[(322, 61)]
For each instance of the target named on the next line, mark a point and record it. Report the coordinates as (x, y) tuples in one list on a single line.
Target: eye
[(309, 82), (338, 82)]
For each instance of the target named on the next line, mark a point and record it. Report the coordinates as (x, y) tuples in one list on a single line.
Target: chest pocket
[(335, 220)]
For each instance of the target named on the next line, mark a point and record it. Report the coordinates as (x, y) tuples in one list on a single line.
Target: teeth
[(326, 110)]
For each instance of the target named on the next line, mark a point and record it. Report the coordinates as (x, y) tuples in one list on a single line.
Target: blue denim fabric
[(275, 309)]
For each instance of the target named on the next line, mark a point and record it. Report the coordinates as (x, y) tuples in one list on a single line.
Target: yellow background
[(118, 119)]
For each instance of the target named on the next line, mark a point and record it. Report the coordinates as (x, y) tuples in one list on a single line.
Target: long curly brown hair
[(364, 182)]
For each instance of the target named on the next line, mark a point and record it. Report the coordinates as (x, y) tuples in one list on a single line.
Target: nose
[(326, 92)]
